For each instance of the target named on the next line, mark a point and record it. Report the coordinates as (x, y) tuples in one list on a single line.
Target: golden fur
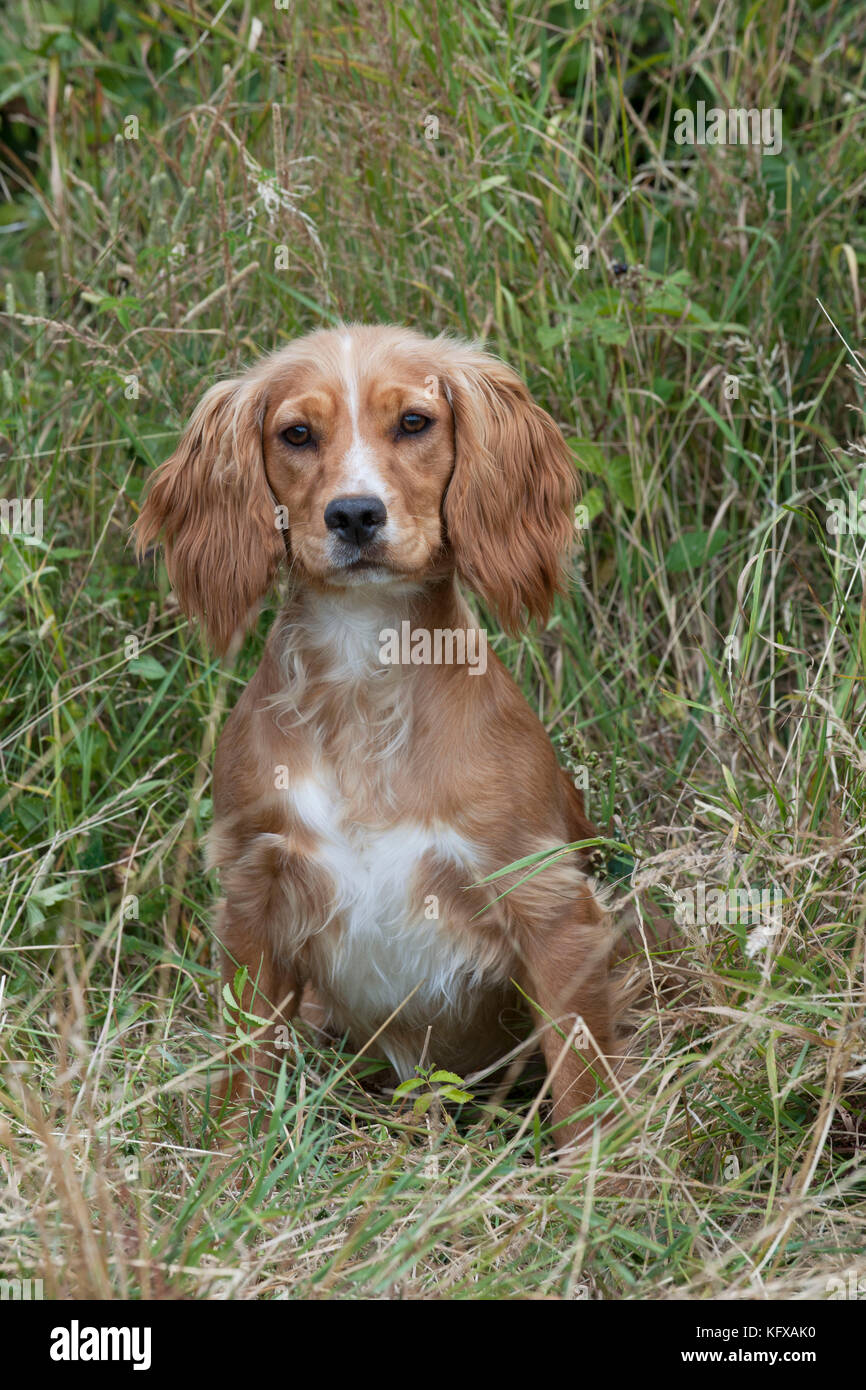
[(359, 805)]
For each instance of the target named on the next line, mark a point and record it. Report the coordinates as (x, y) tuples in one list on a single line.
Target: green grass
[(708, 668)]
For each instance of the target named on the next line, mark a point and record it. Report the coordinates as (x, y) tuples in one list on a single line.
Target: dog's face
[(383, 456), (358, 444)]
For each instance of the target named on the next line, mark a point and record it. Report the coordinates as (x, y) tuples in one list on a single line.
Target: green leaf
[(664, 389), (593, 501), (694, 549), (588, 455), (146, 666), (55, 893), (406, 1087), (549, 337), (731, 786), (612, 332), (619, 480)]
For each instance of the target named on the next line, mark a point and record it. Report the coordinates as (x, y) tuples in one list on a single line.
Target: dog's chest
[(387, 932)]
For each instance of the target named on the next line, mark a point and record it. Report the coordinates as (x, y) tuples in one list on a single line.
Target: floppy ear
[(509, 508), (211, 504)]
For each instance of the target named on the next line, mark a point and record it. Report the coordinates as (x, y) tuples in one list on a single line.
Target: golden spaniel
[(381, 763)]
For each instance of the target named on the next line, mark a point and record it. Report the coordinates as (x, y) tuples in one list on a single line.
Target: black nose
[(355, 519)]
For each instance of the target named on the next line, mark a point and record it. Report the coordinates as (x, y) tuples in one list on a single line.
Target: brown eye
[(297, 435), (413, 423)]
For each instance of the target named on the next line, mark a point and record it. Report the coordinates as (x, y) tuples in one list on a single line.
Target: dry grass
[(708, 672)]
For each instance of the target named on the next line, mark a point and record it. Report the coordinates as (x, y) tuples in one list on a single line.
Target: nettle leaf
[(28, 813), (694, 549), (669, 296), (593, 501), (596, 317), (588, 455), (619, 479), (147, 667), (550, 336), (35, 915), (119, 307), (446, 1076), (664, 388), (55, 893), (612, 332)]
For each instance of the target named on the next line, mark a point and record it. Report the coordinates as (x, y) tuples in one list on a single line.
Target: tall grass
[(189, 185)]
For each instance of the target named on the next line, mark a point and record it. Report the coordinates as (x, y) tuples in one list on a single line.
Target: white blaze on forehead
[(359, 475)]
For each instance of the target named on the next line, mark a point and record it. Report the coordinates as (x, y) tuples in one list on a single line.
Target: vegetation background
[(188, 184)]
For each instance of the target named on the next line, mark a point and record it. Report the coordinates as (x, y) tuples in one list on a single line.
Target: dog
[(367, 796)]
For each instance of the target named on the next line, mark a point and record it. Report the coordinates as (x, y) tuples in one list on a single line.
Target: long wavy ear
[(211, 505), (509, 508)]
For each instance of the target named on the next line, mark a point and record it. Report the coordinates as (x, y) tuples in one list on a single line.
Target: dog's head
[(368, 456)]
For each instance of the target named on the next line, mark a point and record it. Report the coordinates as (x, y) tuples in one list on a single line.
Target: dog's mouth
[(357, 559), (353, 565)]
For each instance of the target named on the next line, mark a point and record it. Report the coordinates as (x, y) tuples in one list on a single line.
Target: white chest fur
[(385, 936)]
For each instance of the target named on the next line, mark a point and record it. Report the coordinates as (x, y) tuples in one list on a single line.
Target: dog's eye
[(412, 423), (297, 435)]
